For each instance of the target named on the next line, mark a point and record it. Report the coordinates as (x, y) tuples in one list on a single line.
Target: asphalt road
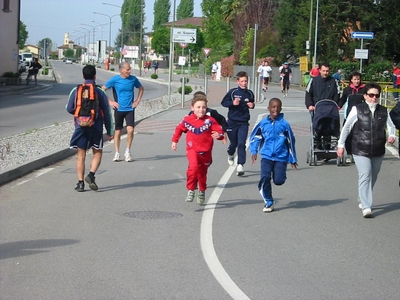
[(136, 238), (47, 107)]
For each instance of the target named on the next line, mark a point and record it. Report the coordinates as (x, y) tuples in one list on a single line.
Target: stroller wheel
[(308, 157)]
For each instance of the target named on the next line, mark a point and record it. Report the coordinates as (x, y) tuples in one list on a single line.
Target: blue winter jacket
[(238, 113), (274, 140)]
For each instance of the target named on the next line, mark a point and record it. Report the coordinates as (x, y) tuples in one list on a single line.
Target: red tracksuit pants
[(197, 169)]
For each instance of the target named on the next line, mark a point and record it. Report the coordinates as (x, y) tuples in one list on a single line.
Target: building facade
[(9, 31)]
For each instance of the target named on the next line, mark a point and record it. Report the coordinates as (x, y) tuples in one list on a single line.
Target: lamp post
[(316, 34), (84, 36), (309, 34), (122, 25), (94, 37), (88, 33), (141, 38), (109, 35)]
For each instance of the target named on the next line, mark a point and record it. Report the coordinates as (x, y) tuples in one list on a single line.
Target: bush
[(227, 65), (188, 89), (11, 74), (153, 76), (45, 71), (112, 69), (186, 80)]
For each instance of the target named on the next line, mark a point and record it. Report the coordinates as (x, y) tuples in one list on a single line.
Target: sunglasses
[(373, 95)]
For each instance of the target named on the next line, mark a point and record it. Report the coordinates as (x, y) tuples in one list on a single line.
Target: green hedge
[(380, 72), (188, 89)]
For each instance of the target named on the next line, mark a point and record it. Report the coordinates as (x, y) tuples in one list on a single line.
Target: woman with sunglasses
[(367, 122)]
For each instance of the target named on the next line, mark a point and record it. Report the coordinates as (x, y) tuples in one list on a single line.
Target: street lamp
[(100, 26), (84, 36), (109, 35), (86, 48), (122, 25), (316, 34), (94, 37)]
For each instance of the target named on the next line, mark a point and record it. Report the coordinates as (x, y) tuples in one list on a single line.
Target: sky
[(53, 18)]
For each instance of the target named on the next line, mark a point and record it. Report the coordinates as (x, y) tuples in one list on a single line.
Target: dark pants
[(237, 134), (274, 170)]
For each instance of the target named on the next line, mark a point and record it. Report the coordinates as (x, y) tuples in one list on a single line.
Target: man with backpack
[(89, 105)]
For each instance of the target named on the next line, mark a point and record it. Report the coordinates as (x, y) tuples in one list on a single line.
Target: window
[(6, 5)]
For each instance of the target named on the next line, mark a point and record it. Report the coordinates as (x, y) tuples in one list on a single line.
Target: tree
[(185, 9), (161, 40), (218, 34), (242, 15), (23, 35), (68, 53), (46, 45), (162, 10), (133, 16)]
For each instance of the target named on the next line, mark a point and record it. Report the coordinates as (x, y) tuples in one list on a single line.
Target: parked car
[(68, 61), (21, 67), (27, 58)]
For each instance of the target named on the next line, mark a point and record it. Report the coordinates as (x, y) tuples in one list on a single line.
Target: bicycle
[(31, 72)]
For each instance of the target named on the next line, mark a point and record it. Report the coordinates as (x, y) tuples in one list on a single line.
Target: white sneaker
[(230, 160), (268, 209), (190, 196), (128, 156), (239, 170), (116, 156), (367, 213), (359, 205), (201, 197)]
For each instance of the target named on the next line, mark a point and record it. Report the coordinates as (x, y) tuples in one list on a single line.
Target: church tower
[(66, 38)]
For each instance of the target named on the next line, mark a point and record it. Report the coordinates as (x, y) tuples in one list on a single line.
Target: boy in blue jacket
[(274, 139)]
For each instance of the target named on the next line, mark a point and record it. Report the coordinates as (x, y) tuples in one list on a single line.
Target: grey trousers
[(368, 170)]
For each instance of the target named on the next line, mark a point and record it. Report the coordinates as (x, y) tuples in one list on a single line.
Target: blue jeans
[(368, 170), (271, 169), (237, 134)]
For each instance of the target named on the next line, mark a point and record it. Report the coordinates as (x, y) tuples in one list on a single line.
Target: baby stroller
[(325, 132)]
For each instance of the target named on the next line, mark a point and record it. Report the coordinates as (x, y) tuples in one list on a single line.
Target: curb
[(16, 172)]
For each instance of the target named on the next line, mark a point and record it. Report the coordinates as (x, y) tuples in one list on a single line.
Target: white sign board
[(182, 60), (184, 35), (361, 53), (131, 51)]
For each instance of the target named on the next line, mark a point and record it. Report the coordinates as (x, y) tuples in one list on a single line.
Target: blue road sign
[(362, 35)]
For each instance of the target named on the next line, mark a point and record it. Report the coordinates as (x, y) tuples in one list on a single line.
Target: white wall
[(9, 32)]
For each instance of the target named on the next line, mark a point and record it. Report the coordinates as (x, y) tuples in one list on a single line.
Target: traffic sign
[(184, 35), (183, 45), (361, 53), (362, 35), (206, 51)]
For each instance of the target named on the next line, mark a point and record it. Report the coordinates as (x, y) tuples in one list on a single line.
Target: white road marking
[(393, 150), (207, 245), (37, 174)]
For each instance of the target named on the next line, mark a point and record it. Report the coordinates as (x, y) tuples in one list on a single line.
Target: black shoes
[(92, 184), (80, 186)]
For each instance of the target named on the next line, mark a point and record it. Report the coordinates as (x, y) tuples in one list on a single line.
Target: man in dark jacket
[(322, 87), (238, 101)]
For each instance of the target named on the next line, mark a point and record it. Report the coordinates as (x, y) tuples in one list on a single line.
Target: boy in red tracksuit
[(200, 130)]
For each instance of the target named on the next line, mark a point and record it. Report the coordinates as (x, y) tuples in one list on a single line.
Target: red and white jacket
[(198, 132)]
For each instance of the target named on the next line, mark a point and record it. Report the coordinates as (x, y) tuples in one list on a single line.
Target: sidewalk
[(216, 91), (43, 82)]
